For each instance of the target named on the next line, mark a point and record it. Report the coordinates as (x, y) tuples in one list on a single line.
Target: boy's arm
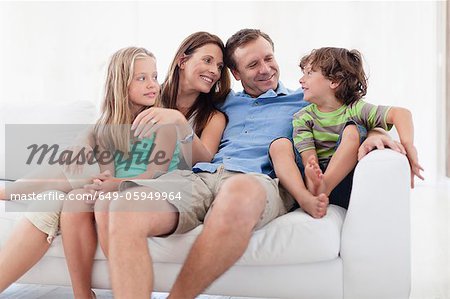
[(306, 155), (303, 136), (401, 118), (374, 119), (378, 138)]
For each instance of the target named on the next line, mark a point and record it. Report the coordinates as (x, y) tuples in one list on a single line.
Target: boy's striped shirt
[(320, 130)]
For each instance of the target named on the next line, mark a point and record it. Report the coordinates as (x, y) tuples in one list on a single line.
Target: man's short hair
[(239, 39)]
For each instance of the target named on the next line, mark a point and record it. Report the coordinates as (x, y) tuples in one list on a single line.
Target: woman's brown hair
[(204, 106)]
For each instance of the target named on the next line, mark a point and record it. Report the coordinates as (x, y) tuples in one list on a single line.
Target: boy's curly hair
[(342, 66)]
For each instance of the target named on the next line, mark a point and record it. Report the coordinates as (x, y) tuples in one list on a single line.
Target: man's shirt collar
[(281, 90)]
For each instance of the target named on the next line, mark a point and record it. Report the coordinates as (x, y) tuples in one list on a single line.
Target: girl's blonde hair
[(112, 130)]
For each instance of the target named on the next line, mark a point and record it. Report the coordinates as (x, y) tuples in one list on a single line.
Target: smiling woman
[(196, 80)]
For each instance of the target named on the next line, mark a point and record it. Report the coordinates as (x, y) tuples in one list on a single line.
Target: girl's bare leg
[(102, 219), (24, 248), (80, 242), (48, 178)]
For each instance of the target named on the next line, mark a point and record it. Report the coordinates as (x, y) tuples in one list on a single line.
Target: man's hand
[(379, 141)]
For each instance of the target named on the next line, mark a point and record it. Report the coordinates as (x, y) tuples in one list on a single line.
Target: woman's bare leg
[(80, 242), (24, 248)]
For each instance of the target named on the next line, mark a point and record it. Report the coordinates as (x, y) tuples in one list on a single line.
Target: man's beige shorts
[(196, 193)]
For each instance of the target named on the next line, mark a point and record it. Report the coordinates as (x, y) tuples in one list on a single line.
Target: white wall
[(58, 51)]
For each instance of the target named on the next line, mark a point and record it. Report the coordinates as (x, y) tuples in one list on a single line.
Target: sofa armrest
[(375, 245)]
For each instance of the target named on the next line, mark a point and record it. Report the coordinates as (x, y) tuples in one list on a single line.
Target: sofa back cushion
[(80, 112)]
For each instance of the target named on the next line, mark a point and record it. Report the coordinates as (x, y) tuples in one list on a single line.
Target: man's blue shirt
[(253, 123)]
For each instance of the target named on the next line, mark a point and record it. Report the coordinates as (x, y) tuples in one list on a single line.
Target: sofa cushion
[(294, 238)]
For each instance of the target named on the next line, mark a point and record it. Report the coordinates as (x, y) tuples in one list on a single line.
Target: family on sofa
[(237, 143)]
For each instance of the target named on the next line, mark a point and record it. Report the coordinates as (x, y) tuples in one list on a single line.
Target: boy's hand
[(379, 141), (411, 153)]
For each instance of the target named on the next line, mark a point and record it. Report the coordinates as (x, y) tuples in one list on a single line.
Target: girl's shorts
[(46, 219)]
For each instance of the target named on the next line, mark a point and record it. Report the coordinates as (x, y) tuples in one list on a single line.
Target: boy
[(328, 133)]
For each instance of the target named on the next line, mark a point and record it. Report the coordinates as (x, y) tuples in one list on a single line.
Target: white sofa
[(360, 253)]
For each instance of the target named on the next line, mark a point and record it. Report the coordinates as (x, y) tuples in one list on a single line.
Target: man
[(235, 189)]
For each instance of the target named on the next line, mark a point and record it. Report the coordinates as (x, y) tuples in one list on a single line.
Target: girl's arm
[(401, 118), (106, 168), (103, 182), (159, 161), (83, 143)]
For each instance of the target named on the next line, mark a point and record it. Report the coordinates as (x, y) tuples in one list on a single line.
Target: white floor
[(430, 221), (19, 291), (430, 227)]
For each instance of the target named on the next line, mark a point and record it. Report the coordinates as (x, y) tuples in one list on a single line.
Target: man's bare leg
[(287, 171), (225, 236), (130, 261), (24, 248), (340, 165)]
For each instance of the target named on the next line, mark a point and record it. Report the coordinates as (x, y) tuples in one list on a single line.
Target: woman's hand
[(144, 123)]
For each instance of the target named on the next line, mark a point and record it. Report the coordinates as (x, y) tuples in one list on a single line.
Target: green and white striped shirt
[(320, 130)]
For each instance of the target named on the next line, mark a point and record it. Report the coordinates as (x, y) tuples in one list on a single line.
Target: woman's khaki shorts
[(195, 194)]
